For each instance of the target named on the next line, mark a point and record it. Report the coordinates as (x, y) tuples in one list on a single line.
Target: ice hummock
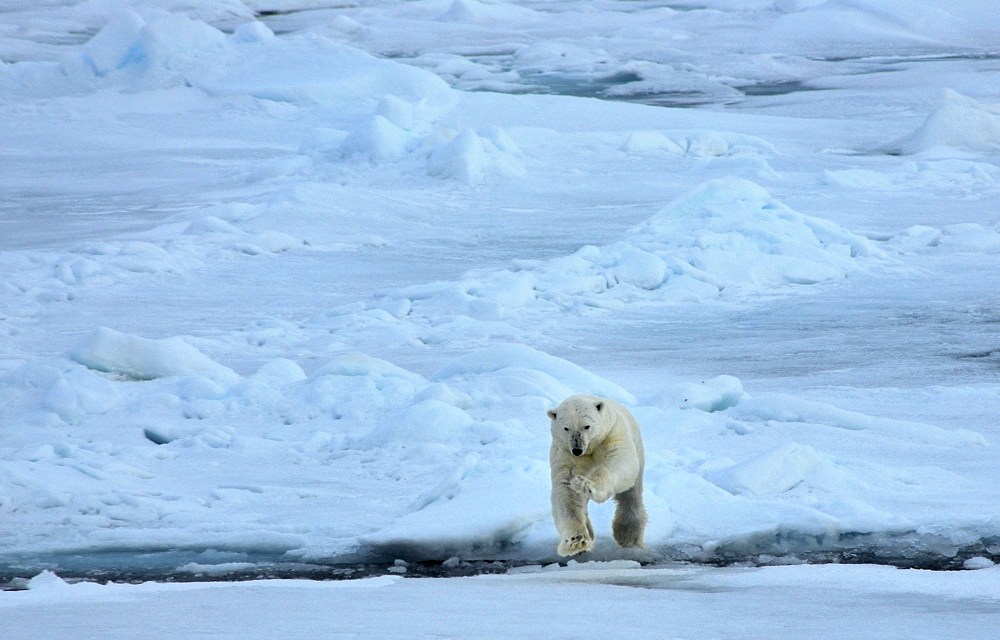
[(725, 238), (960, 122)]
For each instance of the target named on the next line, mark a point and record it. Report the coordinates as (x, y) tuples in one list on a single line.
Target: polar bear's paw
[(582, 486), (585, 488), (572, 545)]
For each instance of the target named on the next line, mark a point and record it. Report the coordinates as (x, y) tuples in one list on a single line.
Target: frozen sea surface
[(676, 602), (288, 296)]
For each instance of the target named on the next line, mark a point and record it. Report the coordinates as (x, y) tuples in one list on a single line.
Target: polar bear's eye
[(587, 427), (565, 428)]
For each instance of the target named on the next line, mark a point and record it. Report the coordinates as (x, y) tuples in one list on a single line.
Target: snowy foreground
[(300, 301), (583, 601)]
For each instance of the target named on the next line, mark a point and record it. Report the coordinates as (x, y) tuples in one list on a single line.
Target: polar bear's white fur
[(596, 454)]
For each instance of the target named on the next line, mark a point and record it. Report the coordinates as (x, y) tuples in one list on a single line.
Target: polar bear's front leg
[(569, 511), (588, 489)]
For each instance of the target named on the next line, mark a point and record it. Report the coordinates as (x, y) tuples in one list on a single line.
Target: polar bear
[(596, 454)]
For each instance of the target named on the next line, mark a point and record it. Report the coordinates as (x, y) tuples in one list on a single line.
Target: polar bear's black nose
[(577, 452)]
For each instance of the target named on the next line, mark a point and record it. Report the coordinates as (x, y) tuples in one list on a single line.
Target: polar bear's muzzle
[(577, 445)]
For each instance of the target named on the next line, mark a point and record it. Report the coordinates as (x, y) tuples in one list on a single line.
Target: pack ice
[(352, 409)]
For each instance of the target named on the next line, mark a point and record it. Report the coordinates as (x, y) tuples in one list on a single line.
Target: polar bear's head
[(578, 421)]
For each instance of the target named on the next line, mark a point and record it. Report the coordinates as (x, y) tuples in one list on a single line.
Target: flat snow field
[(287, 287), (582, 601)]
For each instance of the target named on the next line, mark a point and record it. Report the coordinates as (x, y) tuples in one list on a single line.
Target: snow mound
[(378, 139), (716, 394), (469, 157), (735, 233), (772, 472), (117, 44), (47, 580), (253, 31), (142, 359), (176, 41), (959, 122), (646, 142), (519, 357), (70, 391), (399, 112)]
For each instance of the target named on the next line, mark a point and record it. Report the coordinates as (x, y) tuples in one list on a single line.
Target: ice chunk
[(716, 394), (79, 392), (117, 44), (707, 144), (630, 265), (254, 31), (646, 142), (176, 40), (978, 562), (398, 112), (772, 472), (469, 157), (143, 359), (378, 139), (960, 122), (47, 580), (464, 158), (501, 141)]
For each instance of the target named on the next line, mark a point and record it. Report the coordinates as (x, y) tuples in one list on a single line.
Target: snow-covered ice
[(292, 284), (830, 601)]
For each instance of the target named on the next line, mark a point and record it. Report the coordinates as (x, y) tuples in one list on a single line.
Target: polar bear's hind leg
[(629, 524)]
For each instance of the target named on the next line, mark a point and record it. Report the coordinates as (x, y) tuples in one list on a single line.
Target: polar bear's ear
[(599, 406), (551, 413)]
